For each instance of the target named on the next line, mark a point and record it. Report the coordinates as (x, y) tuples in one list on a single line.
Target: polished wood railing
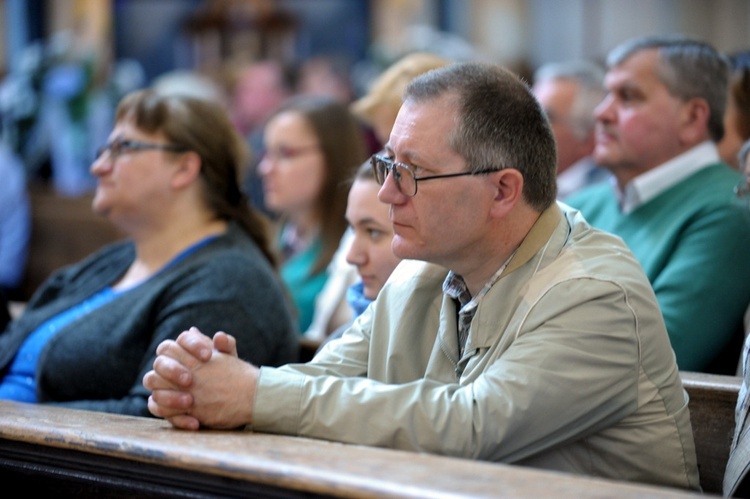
[(713, 399), (56, 452)]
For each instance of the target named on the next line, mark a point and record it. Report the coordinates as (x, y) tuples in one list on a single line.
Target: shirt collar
[(455, 287), (650, 184), (537, 237)]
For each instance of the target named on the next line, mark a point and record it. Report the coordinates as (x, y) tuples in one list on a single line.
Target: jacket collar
[(538, 236)]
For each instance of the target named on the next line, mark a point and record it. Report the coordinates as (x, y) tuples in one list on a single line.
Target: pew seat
[(713, 399)]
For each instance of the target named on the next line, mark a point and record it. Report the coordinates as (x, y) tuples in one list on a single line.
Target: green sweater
[(692, 241), (302, 285)]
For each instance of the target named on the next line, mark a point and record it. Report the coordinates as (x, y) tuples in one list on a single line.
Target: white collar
[(650, 184)]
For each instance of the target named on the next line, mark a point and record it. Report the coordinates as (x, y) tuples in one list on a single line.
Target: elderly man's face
[(447, 217), (638, 122), (556, 97)]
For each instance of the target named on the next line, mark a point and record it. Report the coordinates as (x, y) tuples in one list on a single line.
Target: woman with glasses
[(312, 145), (377, 111), (195, 255)]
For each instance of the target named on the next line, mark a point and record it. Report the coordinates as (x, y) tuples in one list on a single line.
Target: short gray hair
[(589, 79), (689, 68)]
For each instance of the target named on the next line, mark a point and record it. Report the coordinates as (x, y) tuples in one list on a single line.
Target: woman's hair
[(341, 141), (203, 127), (739, 91), (388, 89), (364, 172)]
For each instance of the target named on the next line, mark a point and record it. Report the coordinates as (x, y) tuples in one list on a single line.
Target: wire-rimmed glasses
[(405, 179)]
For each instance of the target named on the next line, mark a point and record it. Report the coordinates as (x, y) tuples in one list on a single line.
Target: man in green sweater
[(672, 199)]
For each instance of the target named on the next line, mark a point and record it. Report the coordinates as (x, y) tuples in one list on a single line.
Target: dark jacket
[(98, 361)]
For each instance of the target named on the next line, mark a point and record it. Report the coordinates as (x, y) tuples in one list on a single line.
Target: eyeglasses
[(285, 153), (405, 179), (122, 146)]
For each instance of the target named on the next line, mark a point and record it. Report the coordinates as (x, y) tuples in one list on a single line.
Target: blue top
[(97, 362), (356, 297), (304, 286), (20, 382)]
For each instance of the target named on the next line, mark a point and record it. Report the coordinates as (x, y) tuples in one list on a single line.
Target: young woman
[(312, 145), (196, 255), (370, 251), (369, 245)]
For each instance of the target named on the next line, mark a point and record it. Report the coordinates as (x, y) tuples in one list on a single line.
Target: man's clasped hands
[(197, 381)]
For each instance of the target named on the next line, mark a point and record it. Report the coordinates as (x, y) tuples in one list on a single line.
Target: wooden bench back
[(64, 230), (713, 399)]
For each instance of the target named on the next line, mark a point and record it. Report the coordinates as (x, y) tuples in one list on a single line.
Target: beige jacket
[(567, 367)]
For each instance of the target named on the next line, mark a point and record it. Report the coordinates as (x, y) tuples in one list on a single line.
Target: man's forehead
[(639, 67)]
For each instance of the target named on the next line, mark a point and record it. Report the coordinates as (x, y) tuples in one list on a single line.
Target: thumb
[(225, 343)]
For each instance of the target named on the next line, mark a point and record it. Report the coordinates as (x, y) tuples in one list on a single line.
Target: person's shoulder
[(112, 254), (719, 174), (715, 184), (234, 258), (413, 271), (413, 282), (582, 230), (594, 194), (592, 250)]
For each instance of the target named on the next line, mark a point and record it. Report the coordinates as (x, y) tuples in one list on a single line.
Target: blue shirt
[(19, 383)]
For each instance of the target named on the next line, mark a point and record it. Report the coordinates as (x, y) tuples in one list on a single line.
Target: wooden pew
[(56, 452), (713, 399)]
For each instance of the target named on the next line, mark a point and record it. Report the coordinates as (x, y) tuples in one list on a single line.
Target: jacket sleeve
[(528, 397)]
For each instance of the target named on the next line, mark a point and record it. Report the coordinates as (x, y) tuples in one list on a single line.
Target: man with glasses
[(672, 202), (514, 333)]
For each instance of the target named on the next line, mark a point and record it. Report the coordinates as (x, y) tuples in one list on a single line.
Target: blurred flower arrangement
[(58, 107)]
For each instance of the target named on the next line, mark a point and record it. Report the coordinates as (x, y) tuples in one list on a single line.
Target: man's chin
[(404, 250), (99, 209), (604, 154)]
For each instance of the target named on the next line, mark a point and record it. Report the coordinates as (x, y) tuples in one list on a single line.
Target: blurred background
[(64, 65)]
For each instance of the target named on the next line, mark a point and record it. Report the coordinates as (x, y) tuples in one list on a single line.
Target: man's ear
[(694, 121), (187, 169), (508, 185)]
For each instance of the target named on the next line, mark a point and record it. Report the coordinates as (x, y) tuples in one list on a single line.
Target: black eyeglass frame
[(391, 166), (120, 146)]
